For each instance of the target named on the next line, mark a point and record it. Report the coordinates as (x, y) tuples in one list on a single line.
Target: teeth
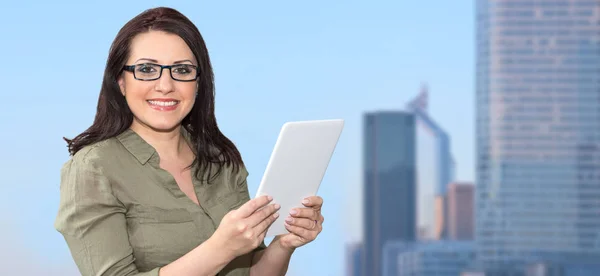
[(163, 103)]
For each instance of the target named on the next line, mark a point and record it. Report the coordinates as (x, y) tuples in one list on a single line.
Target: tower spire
[(420, 102)]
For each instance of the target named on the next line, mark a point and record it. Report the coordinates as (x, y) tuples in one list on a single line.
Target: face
[(160, 104)]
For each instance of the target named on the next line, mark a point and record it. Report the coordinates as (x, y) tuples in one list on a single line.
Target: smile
[(163, 105)]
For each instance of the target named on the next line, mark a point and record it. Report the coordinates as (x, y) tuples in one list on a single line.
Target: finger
[(302, 222), (263, 234), (313, 201), (262, 214), (308, 213), (266, 223), (252, 205), (305, 234)]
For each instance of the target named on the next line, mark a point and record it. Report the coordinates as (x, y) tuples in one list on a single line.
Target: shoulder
[(90, 160), (230, 171), (240, 174), (97, 153)]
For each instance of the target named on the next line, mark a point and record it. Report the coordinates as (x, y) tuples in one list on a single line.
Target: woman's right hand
[(244, 229)]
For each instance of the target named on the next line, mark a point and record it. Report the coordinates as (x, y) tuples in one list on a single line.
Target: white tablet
[(297, 165)]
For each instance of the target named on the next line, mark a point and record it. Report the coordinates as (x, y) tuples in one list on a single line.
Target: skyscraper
[(538, 140), (389, 184), (434, 169)]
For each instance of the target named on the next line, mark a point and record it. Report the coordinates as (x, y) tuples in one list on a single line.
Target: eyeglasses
[(152, 71)]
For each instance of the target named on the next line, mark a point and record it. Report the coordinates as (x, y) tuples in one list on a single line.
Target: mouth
[(163, 104)]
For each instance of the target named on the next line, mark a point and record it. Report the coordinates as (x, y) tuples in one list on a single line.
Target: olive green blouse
[(121, 214)]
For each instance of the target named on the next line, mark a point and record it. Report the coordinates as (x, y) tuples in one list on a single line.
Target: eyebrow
[(156, 61)]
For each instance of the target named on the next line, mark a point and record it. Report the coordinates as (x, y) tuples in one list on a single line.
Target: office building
[(435, 169), (538, 138), (460, 211), (389, 183)]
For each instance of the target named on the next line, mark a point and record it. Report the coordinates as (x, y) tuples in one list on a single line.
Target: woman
[(153, 187)]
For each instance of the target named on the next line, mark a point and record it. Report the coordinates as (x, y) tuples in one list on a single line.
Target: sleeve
[(92, 222), (242, 180)]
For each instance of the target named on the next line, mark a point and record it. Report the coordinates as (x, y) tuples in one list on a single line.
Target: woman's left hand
[(304, 224)]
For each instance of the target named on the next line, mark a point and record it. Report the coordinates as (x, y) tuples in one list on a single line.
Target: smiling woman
[(153, 187)]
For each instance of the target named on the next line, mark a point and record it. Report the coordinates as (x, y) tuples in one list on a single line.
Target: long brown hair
[(113, 115)]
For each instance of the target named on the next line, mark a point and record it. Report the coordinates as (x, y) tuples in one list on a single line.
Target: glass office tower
[(538, 140), (389, 184), (435, 168)]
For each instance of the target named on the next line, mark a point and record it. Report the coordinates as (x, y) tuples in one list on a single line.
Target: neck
[(169, 145)]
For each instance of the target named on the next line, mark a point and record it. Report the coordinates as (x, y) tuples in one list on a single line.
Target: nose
[(165, 83)]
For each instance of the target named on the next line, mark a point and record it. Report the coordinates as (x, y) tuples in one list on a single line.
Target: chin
[(165, 127), (158, 125)]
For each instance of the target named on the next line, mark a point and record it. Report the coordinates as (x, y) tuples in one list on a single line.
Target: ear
[(121, 82)]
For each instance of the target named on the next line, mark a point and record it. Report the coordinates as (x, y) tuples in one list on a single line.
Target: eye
[(183, 69), (145, 68)]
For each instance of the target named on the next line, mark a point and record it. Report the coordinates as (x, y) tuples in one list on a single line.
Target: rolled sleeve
[(92, 222)]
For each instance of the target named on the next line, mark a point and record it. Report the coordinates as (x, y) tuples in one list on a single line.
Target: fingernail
[(277, 206), (293, 212), (289, 219), (305, 201), (270, 198), (276, 215)]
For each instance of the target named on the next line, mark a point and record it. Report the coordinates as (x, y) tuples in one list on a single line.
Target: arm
[(274, 260), (92, 221)]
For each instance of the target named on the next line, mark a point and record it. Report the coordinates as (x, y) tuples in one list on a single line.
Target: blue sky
[(274, 61)]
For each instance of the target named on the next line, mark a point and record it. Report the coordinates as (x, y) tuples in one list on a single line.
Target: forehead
[(161, 46)]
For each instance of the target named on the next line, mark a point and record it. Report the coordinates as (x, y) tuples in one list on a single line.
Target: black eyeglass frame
[(131, 68)]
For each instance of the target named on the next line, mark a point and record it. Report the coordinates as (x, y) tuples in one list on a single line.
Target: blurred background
[(472, 138)]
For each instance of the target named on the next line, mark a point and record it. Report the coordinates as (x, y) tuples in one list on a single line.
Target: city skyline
[(537, 150), (393, 142)]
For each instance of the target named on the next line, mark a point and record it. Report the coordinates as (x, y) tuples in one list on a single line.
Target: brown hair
[(113, 115)]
